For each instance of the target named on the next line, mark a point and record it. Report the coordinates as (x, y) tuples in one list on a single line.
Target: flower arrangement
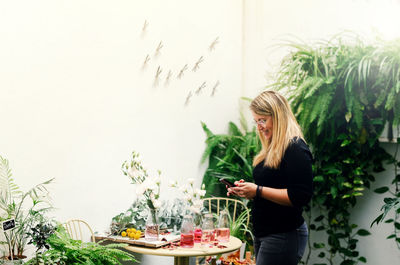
[(147, 186), (192, 195), (170, 216)]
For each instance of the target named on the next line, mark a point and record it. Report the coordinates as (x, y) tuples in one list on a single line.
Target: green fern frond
[(8, 188), (390, 99)]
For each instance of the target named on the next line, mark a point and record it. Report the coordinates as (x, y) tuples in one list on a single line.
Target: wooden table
[(181, 255)]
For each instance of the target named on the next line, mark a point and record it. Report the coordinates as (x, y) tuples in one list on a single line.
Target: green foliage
[(64, 250), (170, 215), (392, 203), (229, 156), (342, 92), (25, 207), (240, 229), (40, 233)]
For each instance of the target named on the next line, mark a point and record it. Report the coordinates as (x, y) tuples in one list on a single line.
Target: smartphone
[(227, 182)]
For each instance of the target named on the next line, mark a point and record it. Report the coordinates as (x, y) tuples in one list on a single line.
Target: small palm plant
[(14, 205)]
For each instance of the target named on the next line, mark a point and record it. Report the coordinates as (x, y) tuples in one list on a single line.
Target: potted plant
[(342, 91), (229, 156), (39, 235), (63, 250), (25, 208)]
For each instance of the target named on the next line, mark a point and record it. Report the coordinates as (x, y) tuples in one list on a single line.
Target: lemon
[(133, 230), (123, 234)]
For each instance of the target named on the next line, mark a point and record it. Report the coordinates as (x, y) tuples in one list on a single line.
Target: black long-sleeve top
[(293, 174)]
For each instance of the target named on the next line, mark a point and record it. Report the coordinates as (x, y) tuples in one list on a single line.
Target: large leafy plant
[(26, 208), (64, 250), (342, 92), (229, 156)]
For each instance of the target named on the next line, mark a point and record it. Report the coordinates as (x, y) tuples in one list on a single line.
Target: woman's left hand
[(244, 189)]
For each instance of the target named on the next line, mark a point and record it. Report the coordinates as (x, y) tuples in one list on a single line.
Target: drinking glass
[(208, 230), (197, 221), (223, 231), (187, 233)]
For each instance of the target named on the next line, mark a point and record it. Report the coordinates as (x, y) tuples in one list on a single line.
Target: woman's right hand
[(231, 191)]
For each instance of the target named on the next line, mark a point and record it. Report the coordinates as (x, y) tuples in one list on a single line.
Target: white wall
[(75, 100), (269, 23)]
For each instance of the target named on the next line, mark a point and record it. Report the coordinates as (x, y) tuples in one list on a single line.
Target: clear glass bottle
[(197, 221), (152, 231), (208, 231), (187, 232), (223, 231)]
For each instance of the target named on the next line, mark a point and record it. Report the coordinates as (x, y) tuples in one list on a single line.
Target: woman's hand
[(243, 189)]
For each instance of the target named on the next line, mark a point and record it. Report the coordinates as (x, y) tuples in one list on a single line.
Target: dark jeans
[(282, 248)]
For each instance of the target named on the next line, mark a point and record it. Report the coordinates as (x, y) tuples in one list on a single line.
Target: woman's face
[(264, 125)]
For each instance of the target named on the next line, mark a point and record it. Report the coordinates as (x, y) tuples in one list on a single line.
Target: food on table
[(132, 233)]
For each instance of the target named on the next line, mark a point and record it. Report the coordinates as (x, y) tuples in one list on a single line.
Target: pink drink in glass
[(187, 240), (197, 235), (223, 234), (207, 237), (151, 233)]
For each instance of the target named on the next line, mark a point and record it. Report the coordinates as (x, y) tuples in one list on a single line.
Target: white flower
[(201, 193), (150, 184), (190, 181), (198, 203), (133, 172), (183, 188), (173, 183), (191, 193), (187, 197), (157, 203)]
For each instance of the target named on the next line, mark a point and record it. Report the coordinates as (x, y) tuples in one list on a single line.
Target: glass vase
[(152, 231)]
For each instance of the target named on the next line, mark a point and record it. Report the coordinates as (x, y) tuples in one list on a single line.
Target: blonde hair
[(284, 127)]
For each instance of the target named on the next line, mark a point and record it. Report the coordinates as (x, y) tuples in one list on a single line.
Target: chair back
[(79, 230), (235, 207)]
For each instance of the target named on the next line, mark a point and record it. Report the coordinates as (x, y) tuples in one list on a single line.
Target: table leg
[(181, 260)]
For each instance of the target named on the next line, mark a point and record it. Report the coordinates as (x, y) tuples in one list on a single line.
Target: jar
[(187, 232)]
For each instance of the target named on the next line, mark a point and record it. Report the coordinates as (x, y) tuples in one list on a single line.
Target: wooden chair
[(79, 230), (234, 207)]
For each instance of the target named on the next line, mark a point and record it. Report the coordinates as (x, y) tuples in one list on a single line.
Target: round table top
[(198, 250)]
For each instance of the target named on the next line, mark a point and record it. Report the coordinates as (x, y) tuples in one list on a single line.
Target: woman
[(283, 183)]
